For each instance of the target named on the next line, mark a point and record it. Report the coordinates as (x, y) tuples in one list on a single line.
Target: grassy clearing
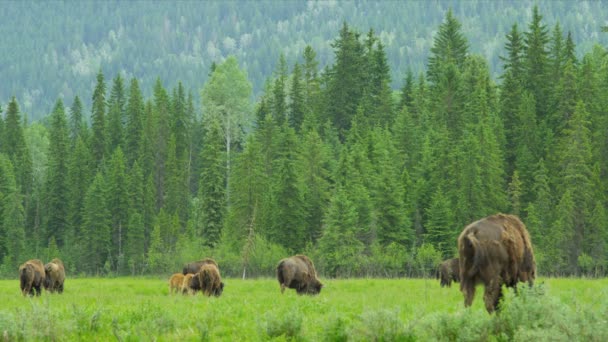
[(135, 309)]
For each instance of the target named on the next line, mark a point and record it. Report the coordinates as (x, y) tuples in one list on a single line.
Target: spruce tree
[(118, 207), (96, 231), (212, 184), (76, 122), (536, 59), (99, 140), (297, 96), (17, 150), (56, 181), (134, 123), (116, 114)]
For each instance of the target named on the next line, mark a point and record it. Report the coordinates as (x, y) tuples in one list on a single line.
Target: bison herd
[(493, 251), (33, 275)]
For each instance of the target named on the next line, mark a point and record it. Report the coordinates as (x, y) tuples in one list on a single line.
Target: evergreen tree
[(536, 59), (279, 96), (17, 150), (311, 81), (347, 75), (297, 96), (99, 140), (314, 171), (56, 182), (441, 230), (340, 249), (407, 92), (77, 124), (116, 114), (96, 233), (134, 123), (212, 186), (160, 136), (117, 202), (289, 228), (449, 47), (12, 222), (79, 177)]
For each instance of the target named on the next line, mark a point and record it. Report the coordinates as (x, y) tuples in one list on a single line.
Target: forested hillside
[(55, 49), (328, 161)]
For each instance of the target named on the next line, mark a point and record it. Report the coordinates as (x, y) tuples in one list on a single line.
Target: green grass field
[(135, 309)]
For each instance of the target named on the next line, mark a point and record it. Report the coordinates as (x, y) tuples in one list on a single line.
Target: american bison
[(31, 277), (208, 281), (186, 282), (175, 283), (448, 271), (195, 266), (54, 276), (298, 272), (495, 250)]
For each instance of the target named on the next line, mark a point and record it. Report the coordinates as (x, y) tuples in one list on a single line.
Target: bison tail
[(474, 255)]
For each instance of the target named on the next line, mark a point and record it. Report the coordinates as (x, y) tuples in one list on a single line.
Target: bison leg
[(492, 295), (468, 290)]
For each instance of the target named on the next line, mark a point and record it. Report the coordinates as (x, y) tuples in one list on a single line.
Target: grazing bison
[(448, 271), (31, 277), (186, 281), (298, 272), (495, 250), (54, 276), (195, 266), (175, 283), (208, 281)]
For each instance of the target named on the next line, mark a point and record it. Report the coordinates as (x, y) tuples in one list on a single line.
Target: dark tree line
[(330, 162)]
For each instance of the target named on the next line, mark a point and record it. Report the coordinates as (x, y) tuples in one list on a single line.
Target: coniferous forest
[(329, 160)]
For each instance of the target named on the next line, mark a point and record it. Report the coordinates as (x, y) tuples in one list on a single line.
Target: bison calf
[(175, 283), (31, 277), (495, 250), (448, 271), (298, 272)]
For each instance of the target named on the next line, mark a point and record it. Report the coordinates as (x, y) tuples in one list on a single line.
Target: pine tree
[(77, 124), (118, 206), (289, 228), (449, 47), (99, 140), (314, 171), (536, 59), (97, 227), (347, 75), (56, 182), (212, 185), (441, 230), (17, 150), (297, 96), (340, 249), (134, 123), (116, 115)]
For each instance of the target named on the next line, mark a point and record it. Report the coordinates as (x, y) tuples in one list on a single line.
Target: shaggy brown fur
[(298, 272), (494, 251), (54, 276), (195, 266), (448, 271), (186, 284), (208, 280), (175, 283), (31, 277)]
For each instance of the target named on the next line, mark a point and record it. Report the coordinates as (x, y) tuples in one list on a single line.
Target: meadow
[(136, 309)]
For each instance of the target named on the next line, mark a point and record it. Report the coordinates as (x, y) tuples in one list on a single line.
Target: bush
[(381, 325), (283, 323)]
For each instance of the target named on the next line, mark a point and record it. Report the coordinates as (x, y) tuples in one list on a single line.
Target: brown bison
[(208, 281), (54, 276), (175, 283), (495, 250), (186, 282), (298, 272), (448, 271), (195, 266), (31, 277)]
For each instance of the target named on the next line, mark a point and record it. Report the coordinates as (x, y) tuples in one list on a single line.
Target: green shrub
[(283, 323), (381, 325)]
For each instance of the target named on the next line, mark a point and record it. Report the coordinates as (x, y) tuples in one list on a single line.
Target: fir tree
[(116, 114), (97, 227), (99, 140), (134, 123), (56, 181)]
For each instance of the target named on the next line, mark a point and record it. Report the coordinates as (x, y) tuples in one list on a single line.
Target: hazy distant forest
[(369, 161)]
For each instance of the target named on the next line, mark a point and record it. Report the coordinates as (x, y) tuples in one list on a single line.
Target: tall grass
[(135, 309)]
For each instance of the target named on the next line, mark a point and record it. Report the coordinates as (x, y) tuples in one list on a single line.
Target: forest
[(332, 162)]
